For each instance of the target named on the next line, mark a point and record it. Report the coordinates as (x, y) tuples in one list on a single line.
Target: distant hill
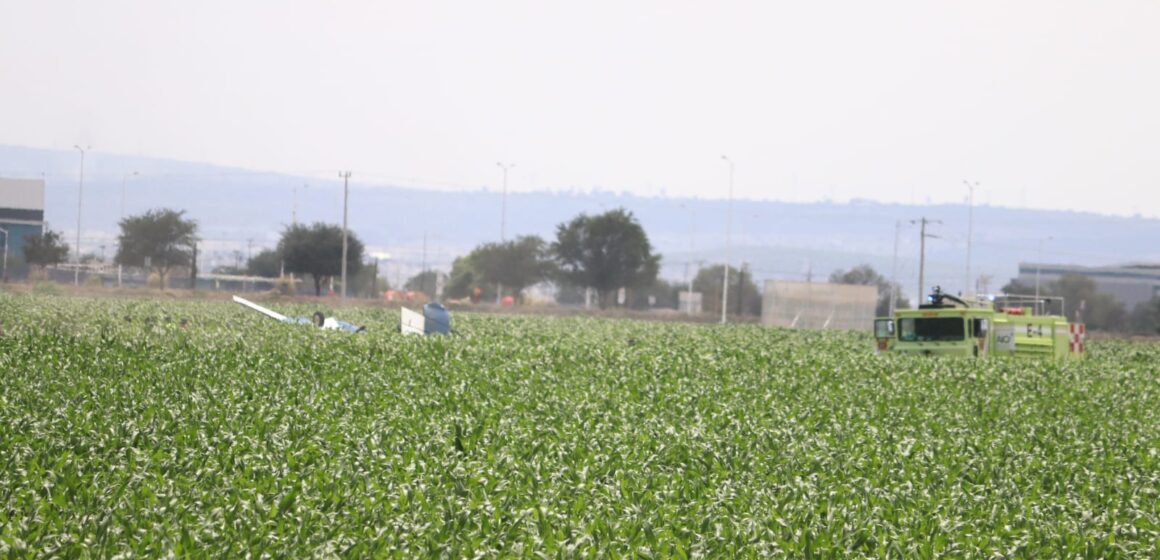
[(778, 239)]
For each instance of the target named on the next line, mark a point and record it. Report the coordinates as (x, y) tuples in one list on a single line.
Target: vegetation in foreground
[(124, 433)]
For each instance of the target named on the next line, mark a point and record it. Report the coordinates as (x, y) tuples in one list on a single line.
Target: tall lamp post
[(4, 271), (728, 234), (502, 222), (967, 284), (345, 196), (80, 199), (689, 278)]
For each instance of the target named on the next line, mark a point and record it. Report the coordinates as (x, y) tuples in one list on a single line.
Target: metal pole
[(4, 271), (967, 284), (894, 269), (345, 197), (922, 254), (80, 199), (502, 222), (503, 207), (728, 234), (922, 261)]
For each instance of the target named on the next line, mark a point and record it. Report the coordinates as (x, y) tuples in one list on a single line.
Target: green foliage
[(1145, 318), (464, 280), (124, 434), (709, 282), (424, 282), (865, 275), (267, 263), (514, 264), (46, 249), (163, 236), (317, 250), (606, 252)]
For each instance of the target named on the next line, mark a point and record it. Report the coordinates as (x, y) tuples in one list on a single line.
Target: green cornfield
[(125, 434)]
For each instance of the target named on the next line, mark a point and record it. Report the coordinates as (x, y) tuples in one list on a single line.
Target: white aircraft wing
[(260, 309)]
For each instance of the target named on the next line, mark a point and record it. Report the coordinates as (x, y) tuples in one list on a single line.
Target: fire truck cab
[(949, 326)]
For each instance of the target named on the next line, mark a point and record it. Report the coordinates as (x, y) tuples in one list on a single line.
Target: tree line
[(606, 253)]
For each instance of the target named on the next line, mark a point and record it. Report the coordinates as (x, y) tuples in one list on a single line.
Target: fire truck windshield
[(931, 328)]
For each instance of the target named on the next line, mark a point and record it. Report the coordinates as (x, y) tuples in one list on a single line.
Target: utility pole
[(922, 235), (970, 227), (894, 269), (503, 208), (4, 273), (688, 264), (80, 198), (728, 234), (502, 223), (345, 197)]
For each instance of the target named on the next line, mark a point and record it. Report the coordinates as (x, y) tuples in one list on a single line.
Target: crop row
[(123, 432)]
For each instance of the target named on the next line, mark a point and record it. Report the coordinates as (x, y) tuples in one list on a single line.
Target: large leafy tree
[(317, 250), (163, 237), (865, 275), (514, 264), (45, 249), (606, 252)]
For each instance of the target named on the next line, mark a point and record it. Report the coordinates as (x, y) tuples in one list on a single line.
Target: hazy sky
[(1052, 103)]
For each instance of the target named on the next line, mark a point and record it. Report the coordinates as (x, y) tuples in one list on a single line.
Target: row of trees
[(605, 252)]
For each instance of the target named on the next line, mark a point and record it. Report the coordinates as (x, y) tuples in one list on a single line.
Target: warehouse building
[(21, 216), (1130, 284)]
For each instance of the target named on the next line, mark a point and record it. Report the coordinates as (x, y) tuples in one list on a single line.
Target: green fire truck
[(1008, 326)]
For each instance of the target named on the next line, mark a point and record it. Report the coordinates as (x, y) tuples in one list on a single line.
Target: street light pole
[(503, 207), (688, 277), (345, 197), (80, 199), (894, 269), (967, 284), (502, 223), (728, 234), (4, 271)]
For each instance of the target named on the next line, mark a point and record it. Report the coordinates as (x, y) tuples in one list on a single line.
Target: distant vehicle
[(1009, 326)]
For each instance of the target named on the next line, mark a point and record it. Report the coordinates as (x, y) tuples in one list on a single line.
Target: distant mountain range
[(243, 210)]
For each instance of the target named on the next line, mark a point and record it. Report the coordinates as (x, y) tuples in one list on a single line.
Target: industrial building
[(21, 216), (1130, 284)]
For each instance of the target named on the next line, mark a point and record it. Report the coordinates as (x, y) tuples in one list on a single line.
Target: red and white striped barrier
[(1077, 331)]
